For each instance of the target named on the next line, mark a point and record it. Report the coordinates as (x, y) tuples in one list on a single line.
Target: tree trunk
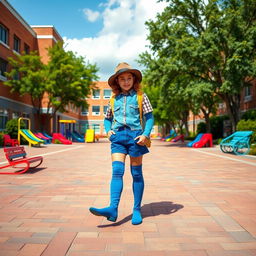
[(233, 108), (207, 119)]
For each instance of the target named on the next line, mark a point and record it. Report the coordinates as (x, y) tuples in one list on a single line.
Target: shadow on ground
[(150, 210)]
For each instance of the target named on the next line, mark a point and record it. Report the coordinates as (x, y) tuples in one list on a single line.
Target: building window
[(16, 44), (95, 110), (3, 118), (4, 34), (107, 94), (96, 94), (84, 111), (105, 108), (3, 69), (96, 128), (247, 94), (26, 48)]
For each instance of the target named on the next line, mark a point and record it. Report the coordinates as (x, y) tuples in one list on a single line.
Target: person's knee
[(118, 169), (136, 172)]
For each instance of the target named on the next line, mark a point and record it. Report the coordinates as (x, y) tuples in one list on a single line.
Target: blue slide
[(198, 137)]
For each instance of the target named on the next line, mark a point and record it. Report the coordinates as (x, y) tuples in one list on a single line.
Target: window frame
[(96, 97), (106, 97), (16, 44), (6, 30), (96, 113)]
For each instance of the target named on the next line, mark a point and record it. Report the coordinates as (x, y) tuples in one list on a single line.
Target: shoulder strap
[(140, 100), (112, 102)]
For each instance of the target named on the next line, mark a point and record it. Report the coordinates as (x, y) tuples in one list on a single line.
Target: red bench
[(16, 157)]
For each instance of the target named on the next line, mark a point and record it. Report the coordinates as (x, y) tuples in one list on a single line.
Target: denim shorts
[(123, 142)]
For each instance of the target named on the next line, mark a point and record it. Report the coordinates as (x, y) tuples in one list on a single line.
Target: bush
[(253, 150), (12, 127), (1, 139), (201, 127), (249, 115), (247, 125)]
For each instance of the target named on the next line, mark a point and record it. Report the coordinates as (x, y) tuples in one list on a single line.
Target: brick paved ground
[(196, 203)]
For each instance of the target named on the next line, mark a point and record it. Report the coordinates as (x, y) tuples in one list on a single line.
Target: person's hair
[(116, 89)]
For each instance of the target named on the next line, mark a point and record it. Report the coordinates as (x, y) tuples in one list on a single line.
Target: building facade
[(17, 37)]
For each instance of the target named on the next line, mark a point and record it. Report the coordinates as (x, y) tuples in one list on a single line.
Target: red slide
[(177, 138), (205, 141), (60, 138)]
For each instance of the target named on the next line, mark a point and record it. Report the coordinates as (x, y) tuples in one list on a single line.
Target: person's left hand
[(141, 140)]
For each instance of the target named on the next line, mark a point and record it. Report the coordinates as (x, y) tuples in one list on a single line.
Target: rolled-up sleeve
[(146, 105)]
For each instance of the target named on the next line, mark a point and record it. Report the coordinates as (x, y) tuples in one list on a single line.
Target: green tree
[(203, 100), (28, 76), (66, 79), (213, 42), (70, 79)]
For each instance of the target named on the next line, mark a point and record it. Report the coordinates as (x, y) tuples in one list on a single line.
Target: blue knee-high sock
[(138, 188), (116, 187)]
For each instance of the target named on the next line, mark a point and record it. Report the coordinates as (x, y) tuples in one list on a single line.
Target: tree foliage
[(65, 79), (28, 76), (212, 42)]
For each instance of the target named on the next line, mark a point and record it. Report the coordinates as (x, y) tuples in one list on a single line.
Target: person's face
[(125, 80)]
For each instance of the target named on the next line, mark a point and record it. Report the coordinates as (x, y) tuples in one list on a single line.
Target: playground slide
[(42, 137), (78, 134), (76, 138), (198, 137), (25, 133), (205, 141), (46, 135), (177, 138), (60, 138)]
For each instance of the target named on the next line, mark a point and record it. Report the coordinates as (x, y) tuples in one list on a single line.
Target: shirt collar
[(131, 92)]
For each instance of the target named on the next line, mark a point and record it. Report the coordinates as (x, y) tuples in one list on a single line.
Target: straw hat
[(121, 68)]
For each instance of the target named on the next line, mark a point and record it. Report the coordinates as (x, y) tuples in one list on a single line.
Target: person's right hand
[(111, 132)]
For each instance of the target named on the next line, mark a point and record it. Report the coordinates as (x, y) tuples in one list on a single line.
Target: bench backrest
[(14, 153), (242, 133)]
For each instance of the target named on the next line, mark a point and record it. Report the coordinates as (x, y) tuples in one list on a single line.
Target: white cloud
[(123, 36), (91, 15)]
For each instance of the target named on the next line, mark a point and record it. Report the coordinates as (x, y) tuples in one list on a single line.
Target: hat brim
[(136, 72)]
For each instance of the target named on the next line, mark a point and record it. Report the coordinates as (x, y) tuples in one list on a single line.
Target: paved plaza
[(197, 202)]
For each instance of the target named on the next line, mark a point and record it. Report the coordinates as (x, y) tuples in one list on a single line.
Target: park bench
[(238, 143), (16, 157)]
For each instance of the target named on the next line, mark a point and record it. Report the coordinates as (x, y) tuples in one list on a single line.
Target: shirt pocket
[(116, 110), (134, 109)]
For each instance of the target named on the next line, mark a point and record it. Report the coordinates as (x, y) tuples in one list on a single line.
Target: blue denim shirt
[(126, 111)]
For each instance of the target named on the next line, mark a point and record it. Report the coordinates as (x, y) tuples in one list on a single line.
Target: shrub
[(247, 125), (201, 127), (249, 115), (1, 139), (11, 127), (253, 150)]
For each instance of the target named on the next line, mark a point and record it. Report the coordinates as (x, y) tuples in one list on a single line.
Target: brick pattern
[(194, 204)]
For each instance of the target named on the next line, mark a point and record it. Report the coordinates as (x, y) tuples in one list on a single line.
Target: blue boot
[(116, 188), (138, 188)]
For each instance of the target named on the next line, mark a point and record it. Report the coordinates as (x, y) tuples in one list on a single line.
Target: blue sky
[(104, 32), (67, 16)]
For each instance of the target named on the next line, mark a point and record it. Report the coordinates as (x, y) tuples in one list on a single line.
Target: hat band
[(122, 70)]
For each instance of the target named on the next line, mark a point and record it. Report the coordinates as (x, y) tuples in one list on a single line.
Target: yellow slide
[(30, 137)]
